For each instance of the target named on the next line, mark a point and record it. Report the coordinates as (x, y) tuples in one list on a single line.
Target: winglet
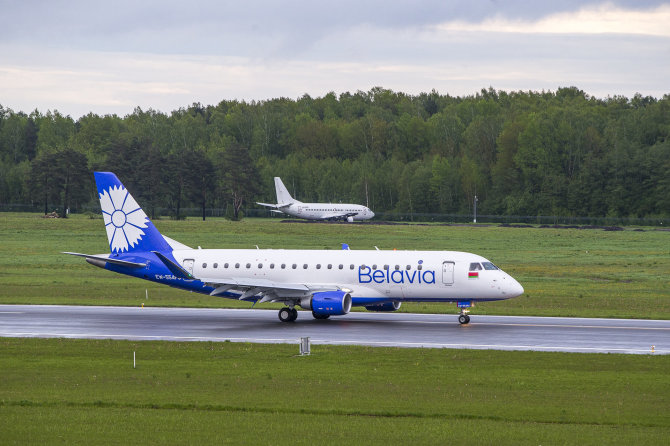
[(345, 247)]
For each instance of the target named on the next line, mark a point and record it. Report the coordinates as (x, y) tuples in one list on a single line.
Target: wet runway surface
[(374, 329)]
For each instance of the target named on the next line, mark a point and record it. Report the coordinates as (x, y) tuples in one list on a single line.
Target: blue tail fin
[(128, 227)]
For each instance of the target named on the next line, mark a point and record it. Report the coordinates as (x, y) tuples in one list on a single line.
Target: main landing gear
[(464, 319), (287, 314)]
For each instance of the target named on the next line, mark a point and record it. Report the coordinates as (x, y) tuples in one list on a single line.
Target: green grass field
[(87, 392), (565, 272)]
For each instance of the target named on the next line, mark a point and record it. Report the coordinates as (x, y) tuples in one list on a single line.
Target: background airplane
[(316, 211), (327, 282)]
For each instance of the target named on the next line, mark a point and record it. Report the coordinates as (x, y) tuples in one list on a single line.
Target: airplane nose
[(514, 288)]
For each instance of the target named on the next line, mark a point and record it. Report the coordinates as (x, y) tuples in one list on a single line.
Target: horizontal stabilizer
[(174, 268), (276, 206), (104, 258)]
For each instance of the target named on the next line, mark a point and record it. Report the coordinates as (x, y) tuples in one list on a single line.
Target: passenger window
[(351, 266), (283, 266), (216, 265), (420, 267), (318, 266), (304, 266), (330, 266), (397, 267), (386, 267), (374, 266), (408, 267), (272, 266), (248, 265), (237, 265), (362, 267), (489, 266), (341, 266), (204, 265), (225, 265), (294, 266), (475, 267), (260, 265)]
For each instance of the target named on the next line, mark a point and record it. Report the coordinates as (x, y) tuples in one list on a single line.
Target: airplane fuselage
[(328, 211), (369, 276)]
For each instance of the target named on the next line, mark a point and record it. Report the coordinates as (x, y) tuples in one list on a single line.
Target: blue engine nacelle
[(331, 303), (386, 306)]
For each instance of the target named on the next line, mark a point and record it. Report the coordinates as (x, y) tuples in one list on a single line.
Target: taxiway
[(358, 328)]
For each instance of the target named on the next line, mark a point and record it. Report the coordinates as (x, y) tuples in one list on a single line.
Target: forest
[(524, 153)]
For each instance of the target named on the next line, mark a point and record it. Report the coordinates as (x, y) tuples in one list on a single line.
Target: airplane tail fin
[(283, 197), (128, 227)]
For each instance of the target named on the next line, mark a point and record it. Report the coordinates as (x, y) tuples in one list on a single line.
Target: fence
[(384, 216)]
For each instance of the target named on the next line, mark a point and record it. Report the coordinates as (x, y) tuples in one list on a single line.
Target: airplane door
[(188, 265), (448, 273)]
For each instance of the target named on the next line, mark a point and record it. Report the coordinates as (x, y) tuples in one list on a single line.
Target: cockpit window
[(489, 266), (475, 267)]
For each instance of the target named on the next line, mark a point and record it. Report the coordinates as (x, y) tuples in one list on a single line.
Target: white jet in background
[(316, 211)]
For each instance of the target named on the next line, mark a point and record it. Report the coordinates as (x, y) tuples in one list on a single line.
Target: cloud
[(594, 19), (166, 58)]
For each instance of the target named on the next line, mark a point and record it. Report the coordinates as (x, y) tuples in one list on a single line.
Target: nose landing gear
[(465, 306)]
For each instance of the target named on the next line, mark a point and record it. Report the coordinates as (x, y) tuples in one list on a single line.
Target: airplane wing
[(338, 216), (263, 290)]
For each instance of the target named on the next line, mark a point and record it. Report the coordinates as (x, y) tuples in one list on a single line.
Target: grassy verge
[(78, 391), (565, 272)]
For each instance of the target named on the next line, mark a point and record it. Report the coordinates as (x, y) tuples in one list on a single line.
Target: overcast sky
[(109, 57)]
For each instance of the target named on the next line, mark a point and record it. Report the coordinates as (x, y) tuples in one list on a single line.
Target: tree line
[(560, 153)]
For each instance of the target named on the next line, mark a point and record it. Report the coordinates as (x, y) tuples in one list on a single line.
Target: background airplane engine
[(386, 306), (332, 303), (350, 219)]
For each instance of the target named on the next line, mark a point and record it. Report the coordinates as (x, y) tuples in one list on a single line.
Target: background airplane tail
[(283, 197), (128, 227)]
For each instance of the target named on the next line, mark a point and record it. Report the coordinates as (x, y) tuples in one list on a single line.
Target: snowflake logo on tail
[(124, 219)]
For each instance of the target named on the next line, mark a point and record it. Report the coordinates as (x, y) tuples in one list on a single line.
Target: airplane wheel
[(463, 319), (320, 316), (286, 314), (294, 314)]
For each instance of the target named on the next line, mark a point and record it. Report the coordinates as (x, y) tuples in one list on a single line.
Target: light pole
[(475, 220)]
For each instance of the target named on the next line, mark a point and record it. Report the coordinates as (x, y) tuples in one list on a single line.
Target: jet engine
[(328, 303), (386, 306)]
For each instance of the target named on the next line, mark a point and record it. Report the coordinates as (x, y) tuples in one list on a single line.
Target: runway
[(629, 336)]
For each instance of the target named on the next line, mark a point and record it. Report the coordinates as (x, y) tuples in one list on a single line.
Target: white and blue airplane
[(328, 283), (286, 204)]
